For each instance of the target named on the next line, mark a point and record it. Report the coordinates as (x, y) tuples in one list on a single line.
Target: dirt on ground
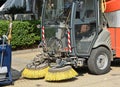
[(84, 79)]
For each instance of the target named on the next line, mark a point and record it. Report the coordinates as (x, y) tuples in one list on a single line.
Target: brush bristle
[(62, 75), (34, 73)]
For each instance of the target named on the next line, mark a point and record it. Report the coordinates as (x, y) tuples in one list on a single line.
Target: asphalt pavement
[(84, 79)]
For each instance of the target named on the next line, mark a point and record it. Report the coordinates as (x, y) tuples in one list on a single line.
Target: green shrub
[(3, 27), (24, 33)]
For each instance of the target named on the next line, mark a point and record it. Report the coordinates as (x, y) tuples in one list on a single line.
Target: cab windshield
[(56, 16)]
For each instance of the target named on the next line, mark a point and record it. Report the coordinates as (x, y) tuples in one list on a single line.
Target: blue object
[(6, 62)]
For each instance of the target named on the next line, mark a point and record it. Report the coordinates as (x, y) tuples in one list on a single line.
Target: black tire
[(99, 61)]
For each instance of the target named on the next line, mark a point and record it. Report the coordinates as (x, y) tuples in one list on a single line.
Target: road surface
[(85, 79)]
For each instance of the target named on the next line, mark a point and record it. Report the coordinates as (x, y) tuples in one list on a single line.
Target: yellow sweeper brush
[(33, 73), (59, 74), (36, 69)]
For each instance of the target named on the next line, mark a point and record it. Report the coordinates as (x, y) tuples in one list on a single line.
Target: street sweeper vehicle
[(76, 33)]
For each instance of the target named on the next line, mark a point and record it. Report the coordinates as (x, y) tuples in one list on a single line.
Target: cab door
[(83, 27)]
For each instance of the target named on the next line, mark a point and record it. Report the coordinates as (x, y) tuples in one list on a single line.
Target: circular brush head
[(59, 74), (34, 72)]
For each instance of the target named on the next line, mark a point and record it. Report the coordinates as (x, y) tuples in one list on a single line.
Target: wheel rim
[(102, 61)]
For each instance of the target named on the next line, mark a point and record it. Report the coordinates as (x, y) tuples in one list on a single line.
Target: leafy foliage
[(24, 33)]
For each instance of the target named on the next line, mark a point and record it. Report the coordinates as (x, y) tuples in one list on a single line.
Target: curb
[(26, 51)]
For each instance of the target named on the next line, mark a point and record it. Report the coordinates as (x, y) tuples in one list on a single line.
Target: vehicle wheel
[(99, 61)]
